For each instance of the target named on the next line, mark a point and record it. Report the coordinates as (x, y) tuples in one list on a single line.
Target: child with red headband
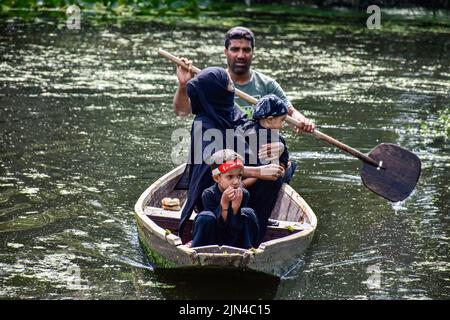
[(226, 219)]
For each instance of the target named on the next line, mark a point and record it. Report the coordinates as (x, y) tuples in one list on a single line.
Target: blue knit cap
[(269, 105)]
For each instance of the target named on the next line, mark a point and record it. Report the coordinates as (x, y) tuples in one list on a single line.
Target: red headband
[(227, 166)]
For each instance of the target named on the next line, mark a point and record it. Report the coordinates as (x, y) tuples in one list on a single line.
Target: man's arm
[(267, 172), (306, 125), (248, 182), (181, 103)]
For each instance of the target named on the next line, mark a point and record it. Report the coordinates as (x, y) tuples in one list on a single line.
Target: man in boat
[(239, 51), (226, 218)]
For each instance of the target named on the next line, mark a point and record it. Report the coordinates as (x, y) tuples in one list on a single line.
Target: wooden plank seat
[(169, 220)]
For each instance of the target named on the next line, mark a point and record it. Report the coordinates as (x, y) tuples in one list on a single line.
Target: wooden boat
[(279, 252)]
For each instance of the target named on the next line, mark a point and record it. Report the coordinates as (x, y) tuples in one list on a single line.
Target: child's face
[(230, 178), (274, 122)]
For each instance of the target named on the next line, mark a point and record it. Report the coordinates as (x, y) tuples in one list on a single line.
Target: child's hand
[(227, 196), (236, 202)]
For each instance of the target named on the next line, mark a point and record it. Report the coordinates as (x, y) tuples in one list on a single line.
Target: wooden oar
[(389, 170)]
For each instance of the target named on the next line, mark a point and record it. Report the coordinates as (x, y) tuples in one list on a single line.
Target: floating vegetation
[(118, 7), (29, 191), (438, 128), (225, 14), (15, 245)]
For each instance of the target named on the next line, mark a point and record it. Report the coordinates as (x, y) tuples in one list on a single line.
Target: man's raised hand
[(184, 75)]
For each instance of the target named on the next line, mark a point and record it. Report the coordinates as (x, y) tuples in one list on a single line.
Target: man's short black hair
[(239, 33)]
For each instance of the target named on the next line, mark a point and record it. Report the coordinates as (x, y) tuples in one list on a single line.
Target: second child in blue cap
[(269, 116), (270, 113)]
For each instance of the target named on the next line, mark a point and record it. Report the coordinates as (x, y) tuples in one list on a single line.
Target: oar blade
[(400, 174)]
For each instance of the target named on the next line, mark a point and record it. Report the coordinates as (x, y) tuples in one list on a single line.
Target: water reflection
[(196, 284)]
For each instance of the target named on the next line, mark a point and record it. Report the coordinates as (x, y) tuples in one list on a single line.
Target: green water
[(86, 121)]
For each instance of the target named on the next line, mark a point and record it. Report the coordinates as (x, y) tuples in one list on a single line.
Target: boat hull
[(276, 256)]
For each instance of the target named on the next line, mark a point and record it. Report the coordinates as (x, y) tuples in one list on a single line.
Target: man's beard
[(239, 70)]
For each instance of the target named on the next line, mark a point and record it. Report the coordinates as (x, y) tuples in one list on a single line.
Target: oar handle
[(239, 93), (322, 136), (177, 60), (196, 70), (317, 134)]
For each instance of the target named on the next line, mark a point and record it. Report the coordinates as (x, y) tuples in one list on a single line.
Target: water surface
[(86, 121)]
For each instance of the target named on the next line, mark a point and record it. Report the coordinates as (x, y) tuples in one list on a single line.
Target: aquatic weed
[(438, 128)]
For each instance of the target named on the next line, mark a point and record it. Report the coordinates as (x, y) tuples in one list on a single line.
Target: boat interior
[(288, 213)]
